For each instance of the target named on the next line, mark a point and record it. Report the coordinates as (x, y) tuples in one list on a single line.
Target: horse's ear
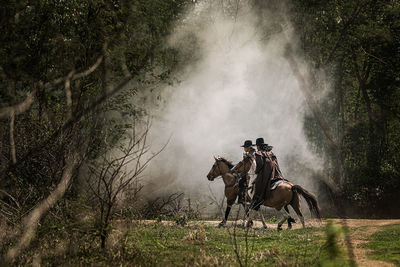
[(215, 158)]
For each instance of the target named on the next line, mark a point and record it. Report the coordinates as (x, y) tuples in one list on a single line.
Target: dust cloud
[(236, 85)]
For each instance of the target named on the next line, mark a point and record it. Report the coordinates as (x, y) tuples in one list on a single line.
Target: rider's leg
[(242, 189)]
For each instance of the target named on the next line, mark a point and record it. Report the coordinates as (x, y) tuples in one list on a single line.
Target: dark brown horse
[(284, 194), (231, 186)]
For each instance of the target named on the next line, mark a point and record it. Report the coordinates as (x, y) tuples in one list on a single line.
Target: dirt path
[(360, 231)]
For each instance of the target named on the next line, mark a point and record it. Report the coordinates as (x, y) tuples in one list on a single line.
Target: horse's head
[(214, 172), (220, 167)]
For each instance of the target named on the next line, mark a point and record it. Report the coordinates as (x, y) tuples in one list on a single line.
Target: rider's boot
[(241, 198)]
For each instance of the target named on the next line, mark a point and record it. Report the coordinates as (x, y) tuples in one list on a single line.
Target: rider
[(248, 151), (264, 171), (268, 151), (265, 151)]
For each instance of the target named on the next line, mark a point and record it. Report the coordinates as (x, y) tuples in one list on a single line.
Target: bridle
[(216, 165), (234, 175)]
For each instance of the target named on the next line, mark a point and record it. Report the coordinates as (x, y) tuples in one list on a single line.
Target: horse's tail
[(310, 198)]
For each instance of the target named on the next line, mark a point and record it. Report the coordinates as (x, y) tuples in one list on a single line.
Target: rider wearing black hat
[(261, 146), (267, 150), (266, 171), (264, 150), (249, 150)]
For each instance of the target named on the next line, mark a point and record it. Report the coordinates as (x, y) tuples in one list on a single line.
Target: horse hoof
[(289, 226), (221, 224), (249, 224), (279, 228)]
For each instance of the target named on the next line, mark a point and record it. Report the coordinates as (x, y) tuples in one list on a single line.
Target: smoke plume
[(236, 85)]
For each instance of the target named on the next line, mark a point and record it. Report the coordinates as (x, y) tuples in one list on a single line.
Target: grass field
[(139, 243), (198, 244), (207, 245), (385, 244)]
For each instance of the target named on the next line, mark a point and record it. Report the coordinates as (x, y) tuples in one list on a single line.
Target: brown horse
[(284, 194), (222, 168)]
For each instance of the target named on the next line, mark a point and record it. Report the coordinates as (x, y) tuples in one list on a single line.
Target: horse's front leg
[(227, 211), (248, 222), (262, 219)]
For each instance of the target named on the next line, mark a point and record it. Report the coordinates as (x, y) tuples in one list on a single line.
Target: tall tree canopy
[(357, 44)]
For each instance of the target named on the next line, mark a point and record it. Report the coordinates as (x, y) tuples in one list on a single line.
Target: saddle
[(274, 184), (277, 181)]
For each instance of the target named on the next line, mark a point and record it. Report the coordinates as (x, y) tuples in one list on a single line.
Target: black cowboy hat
[(247, 143), (260, 142)]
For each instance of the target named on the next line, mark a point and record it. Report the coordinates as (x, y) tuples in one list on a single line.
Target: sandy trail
[(359, 237), (309, 223)]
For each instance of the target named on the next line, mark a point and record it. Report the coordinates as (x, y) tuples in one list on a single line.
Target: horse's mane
[(228, 162)]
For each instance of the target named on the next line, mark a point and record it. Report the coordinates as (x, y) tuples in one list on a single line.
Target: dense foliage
[(68, 72), (357, 45), (43, 41)]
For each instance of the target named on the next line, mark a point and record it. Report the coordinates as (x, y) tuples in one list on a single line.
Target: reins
[(234, 176)]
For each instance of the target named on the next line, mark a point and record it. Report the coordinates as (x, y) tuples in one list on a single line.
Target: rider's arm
[(233, 170)]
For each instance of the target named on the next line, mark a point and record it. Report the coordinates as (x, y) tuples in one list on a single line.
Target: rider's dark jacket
[(264, 171), (277, 171)]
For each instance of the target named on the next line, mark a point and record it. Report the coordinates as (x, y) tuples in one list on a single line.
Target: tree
[(356, 44), (61, 64)]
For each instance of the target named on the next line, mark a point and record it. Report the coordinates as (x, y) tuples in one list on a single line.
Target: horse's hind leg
[(296, 206), (290, 220), (285, 215)]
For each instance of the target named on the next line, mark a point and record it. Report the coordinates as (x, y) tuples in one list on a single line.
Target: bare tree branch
[(89, 70), (74, 77), (26, 104), (20, 107), (68, 95), (32, 219), (124, 67), (88, 109), (13, 153)]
